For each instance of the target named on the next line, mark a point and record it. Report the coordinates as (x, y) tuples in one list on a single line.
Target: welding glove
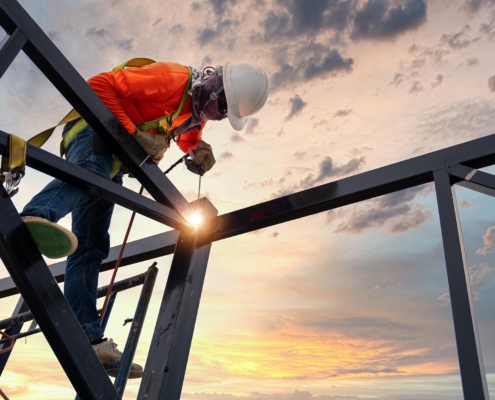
[(154, 145), (203, 159)]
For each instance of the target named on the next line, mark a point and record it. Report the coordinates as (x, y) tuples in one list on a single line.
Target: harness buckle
[(12, 181)]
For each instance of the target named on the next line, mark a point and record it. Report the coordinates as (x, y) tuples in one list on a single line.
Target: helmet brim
[(237, 123)]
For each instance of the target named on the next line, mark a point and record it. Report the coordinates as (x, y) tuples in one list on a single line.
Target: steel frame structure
[(166, 364)]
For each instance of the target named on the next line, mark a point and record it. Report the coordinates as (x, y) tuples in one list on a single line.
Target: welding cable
[(12, 342), (3, 395), (117, 264)]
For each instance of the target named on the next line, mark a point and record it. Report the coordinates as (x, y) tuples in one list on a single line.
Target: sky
[(347, 304)]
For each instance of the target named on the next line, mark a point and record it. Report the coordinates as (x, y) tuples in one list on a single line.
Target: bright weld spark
[(196, 219)]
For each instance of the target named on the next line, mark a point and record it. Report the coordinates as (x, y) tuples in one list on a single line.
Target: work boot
[(53, 240), (111, 357)]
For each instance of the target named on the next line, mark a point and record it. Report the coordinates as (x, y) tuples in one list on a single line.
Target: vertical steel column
[(465, 326), (15, 330), (167, 359), (49, 306), (9, 48), (135, 330)]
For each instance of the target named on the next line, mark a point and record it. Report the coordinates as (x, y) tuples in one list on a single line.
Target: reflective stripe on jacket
[(138, 95)]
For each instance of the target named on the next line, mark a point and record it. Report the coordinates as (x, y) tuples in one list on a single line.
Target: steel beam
[(378, 182), (95, 184), (145, 249), (473, 179), (471, 365), (48, 58), (21, 307), (10, 48), (167, 359), (49, 306)]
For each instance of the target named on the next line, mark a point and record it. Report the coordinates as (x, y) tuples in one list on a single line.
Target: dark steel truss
[(166, 365)]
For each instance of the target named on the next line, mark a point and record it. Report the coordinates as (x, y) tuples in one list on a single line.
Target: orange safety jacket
[(139, 95)]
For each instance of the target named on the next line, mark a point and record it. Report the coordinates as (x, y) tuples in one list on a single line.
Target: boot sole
[(112, 369), (53, 240)]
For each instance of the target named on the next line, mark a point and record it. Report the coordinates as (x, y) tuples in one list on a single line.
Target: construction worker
[(136, 96)]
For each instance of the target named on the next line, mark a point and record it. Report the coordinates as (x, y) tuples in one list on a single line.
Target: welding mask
[(212, 90)]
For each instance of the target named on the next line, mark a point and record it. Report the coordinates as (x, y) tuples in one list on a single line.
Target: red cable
[(3, 395), (12, 342), (117, 264)]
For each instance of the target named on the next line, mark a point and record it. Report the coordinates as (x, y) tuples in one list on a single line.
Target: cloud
[(473, 6), (471, 62), (307, 62), (299, 155), (438, 81), (226, 155), (297, 105), (217, 25), (488, 29), (327, 169), (465, 204), (488, 241), (462, 120), (294, 18), (321, 66), (459, 40), (416, 87), (394, 212), (491, 83), (444, 297), (54, 35), (399, 77), (342, 113), (296, 395), (251, 125), (93, 31), (396, 219), (220, 6), (157, 22), (281, 132), (486, 270), (385, 19), (205, 36), (124, 44), (236, 138), (477, 280), (364, 371)]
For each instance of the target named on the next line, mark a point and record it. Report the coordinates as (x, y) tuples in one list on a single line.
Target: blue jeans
[(91, 217)]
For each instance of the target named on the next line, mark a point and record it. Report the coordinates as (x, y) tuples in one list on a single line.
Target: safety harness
[(12, 168)]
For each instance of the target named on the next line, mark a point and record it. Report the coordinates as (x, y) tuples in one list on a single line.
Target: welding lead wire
[(117, 264)]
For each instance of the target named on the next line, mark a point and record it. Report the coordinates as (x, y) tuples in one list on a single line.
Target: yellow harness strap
[(16, 158)]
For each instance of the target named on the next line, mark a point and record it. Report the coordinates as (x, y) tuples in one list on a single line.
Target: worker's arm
[(189, 140), (158, 81)]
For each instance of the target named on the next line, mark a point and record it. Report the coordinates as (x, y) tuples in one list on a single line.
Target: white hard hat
[(246, 90)]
